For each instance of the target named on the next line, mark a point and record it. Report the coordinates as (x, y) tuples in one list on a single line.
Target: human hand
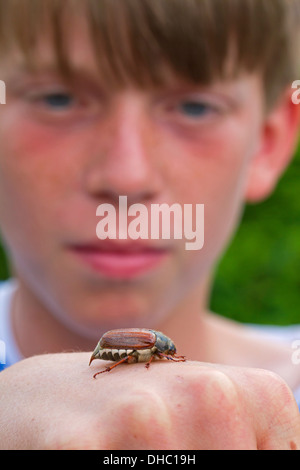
[(52, 402)]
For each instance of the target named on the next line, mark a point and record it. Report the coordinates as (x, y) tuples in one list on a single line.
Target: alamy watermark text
[(157, 221), (2, 92), (2, 352)]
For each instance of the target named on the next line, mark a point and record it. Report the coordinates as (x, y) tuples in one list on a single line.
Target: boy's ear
[(278, 143)]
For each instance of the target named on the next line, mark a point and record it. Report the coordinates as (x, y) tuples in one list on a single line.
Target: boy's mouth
[(120, 260)]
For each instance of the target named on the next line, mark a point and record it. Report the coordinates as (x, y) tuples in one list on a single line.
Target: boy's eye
[(60, 104), (58, 100), (194, 109), (55, 100)]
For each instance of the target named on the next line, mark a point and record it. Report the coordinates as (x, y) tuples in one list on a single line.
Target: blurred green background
[(258, 278)]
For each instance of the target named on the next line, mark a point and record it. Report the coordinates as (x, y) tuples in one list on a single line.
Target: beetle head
[(164, 344), (172, 348)]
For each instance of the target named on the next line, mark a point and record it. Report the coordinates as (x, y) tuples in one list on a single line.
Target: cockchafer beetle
[(134, 345)]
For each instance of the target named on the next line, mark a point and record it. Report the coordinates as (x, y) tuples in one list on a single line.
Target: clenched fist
[(53, 402)]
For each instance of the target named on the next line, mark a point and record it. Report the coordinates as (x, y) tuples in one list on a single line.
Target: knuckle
[(215, 387), (144, 406), (277, 394), (218, 416), (274, 409), (215, 401), (142, 416), (284, 407)]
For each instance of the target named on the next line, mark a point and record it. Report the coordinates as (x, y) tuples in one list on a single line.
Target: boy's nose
[(124, 161)]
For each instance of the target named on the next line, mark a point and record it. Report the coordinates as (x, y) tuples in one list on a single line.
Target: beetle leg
[(181, 358), (109, 368), (149, 362), (172, 358)]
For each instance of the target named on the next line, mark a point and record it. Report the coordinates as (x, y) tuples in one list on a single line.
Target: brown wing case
[(133, 338)]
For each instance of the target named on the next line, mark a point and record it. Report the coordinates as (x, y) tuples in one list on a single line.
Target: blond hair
[(135, 39)]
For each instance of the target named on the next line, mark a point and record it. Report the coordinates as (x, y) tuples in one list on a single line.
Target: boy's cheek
[(26, 192), (31, 163)]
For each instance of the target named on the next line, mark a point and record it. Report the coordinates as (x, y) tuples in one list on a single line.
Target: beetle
[(134, 345)]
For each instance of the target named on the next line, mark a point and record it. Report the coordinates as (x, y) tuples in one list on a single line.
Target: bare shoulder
[(243, 346)]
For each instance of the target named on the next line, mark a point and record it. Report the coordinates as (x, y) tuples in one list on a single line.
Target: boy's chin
[(90, 321)]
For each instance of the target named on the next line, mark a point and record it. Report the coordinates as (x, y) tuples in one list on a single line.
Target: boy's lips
[(120, 260)]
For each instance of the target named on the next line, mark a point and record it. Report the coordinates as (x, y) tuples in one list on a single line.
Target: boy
[(162, 102)]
